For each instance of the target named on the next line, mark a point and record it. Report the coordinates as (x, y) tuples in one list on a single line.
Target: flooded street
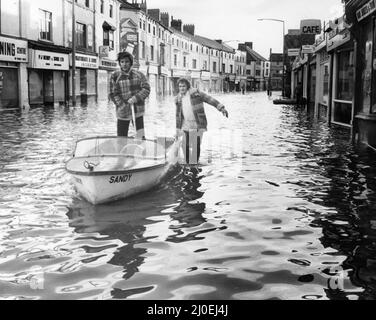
[(289, 216)]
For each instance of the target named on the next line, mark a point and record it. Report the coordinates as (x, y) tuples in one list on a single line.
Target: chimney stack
[(165, 19), (155, 14), (144, 6), (189, 28), (176, 24)]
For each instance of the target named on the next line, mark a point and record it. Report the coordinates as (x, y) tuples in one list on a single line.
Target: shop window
[(367, 71), (45, 25), (325, 87), (345, 76), (8, 87)]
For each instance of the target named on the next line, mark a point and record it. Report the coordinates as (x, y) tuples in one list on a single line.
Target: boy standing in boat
[(129, 87), (191, 119)]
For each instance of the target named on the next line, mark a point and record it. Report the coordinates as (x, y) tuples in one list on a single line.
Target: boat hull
[(105, 188)]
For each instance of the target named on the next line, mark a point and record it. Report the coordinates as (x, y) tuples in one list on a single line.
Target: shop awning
[(108, 26)]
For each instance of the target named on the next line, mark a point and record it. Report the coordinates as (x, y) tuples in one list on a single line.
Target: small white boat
[(106, 169)]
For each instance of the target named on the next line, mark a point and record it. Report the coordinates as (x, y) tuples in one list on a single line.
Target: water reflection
[(341, 183), (293, 221)]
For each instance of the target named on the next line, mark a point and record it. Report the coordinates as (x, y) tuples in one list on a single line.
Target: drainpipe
[(331, 86), (354, 127)]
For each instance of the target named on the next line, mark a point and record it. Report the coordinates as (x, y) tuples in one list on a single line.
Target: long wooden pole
[(74, 102)]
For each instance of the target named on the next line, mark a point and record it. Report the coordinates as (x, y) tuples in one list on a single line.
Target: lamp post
[(284, 50), (73, 53)]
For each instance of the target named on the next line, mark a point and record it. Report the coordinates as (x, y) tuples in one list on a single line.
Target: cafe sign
[(13, 50), (310, 26), (366, 10)]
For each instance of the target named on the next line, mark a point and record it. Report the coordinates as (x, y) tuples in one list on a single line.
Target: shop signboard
[(153, 70), (310, 26), (86, 62), (308, 49), (338, 40), (205, 75), (13, 50), (40, 59), (366, 10), (108, 64), (163, 71), (195, 74), (293, 52)]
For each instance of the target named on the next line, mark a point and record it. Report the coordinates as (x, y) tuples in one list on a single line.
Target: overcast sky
[(237, 19)]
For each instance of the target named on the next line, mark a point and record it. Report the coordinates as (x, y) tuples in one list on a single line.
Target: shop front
[(13, 59), (362, 17), (153, 80), (86, 76), (196, 78), (215, 83), (48, 77), (163, 85), (341, 47), (205, 81), (322, 79), (106, 68), (232, 82)]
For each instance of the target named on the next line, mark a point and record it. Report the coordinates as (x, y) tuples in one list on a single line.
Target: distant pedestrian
[(191, 121), (299, 94), (129, 88), (269, 89)]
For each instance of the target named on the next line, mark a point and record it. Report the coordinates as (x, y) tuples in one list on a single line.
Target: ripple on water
[(274, 221)]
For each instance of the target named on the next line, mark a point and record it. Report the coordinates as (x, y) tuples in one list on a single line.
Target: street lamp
[(73, 53), (284, 50)]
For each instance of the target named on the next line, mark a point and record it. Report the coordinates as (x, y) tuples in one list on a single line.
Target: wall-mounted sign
[(13, 50), (40, 59), (132, 37), (108, 64), (293, 52), (311, 26), (366, 10), (104, 51), (87, 62), (307, 49), (163, 71), (338, 40)]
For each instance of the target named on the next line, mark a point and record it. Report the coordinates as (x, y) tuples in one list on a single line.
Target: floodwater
[(282, 208)]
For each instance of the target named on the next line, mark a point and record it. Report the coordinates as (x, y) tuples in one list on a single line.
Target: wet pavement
[(282, 208)]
